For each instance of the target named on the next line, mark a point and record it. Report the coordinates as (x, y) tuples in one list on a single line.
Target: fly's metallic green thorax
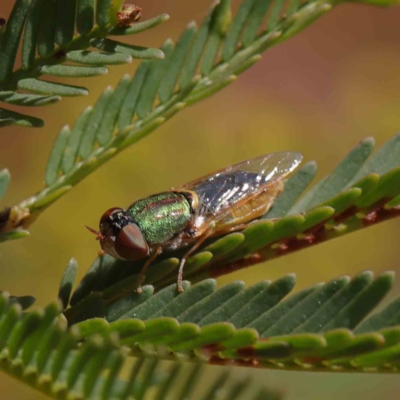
[(161, 216)]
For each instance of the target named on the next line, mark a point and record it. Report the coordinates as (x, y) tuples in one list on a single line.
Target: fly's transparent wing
[(226, 188)]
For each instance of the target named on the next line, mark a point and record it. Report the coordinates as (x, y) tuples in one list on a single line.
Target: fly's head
[(120, 237)]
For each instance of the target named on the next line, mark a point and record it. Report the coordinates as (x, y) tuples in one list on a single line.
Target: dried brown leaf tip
[(128, 15)]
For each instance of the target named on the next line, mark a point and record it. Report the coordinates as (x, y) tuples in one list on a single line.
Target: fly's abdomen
[(161, 216)]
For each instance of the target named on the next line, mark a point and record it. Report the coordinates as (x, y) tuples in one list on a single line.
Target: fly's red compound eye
[(130, 243)]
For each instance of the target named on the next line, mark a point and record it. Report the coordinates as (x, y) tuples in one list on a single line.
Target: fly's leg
[(184, 258), (141, 276)]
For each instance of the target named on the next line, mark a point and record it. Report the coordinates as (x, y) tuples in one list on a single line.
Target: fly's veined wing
[(228, 187)]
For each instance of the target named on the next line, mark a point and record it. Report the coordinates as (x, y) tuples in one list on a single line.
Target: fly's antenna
[(99, 236)]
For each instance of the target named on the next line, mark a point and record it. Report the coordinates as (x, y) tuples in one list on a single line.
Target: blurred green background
[(319, 93)]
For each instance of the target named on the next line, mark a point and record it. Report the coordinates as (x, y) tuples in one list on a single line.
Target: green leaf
[(12, 36), (73, 70), (175, 63), (5, 178), (46, 28), (140, 26), (98, 58), (85, 16), (65, 21), (56, 156), (67, 282), (32, 29), (44, 87), (8, 117), (25, 99), (143, 53)]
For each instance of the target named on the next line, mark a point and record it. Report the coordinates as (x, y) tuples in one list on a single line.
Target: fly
[(216, 204)]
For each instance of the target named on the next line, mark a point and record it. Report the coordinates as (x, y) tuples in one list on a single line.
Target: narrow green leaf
[(67, 282), (214, 390), (225, 245), (210, 304), (5, 178), (386, 317), (80, 361), (67, 343), (133, 377), (198, 95), (30, 100), (103, 12), (275, 15), (127, 109), (175, 63), (8, 323), (186, 332), (363, 303), (191, 380), (54, 163), (24, 301), (306, 308), (154, 328), (86, 146), (387, 187), (235, 29), (148, 377), (31, 34), (49, 342), (91, 327), (139, 26), (152, 81), (22, 330), (360, 344), (242, 338), (162, 269), (261, 303), (338, 179), (46, 38), (98, 58), (189, 297), (85, 16), (34, 339), (321, 320), (12, 36), (382, 161), (109, 119), (70, 71), (13, 235), (255, 21), (115, 364), (128, 327), (125, 307), (192, 60), (142, 53), (294, 187), (150, 307), (164, 388), (65, 21), (293, 6), (229, 308), (71, 149), (209, 335), (44, 87), (95, 368), (378, 358), (8, 117)]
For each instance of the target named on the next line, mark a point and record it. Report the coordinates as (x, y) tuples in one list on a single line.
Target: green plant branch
[(49, 47), (219, 76), (321, 328), (38, 349)]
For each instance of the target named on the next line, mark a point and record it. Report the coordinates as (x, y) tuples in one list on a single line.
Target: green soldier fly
[(216, 204)]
